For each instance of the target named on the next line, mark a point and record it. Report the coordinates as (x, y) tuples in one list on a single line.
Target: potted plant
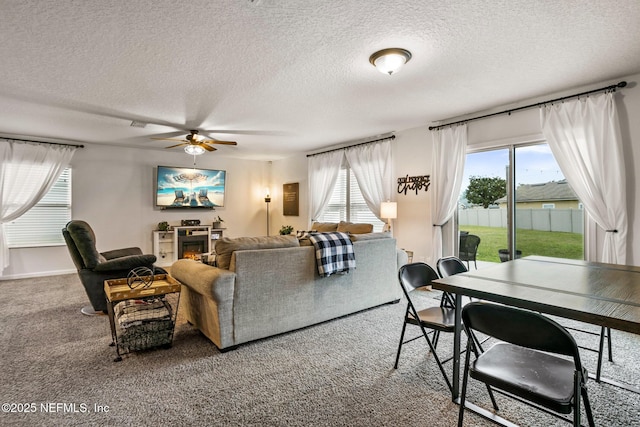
[(217, 223), (286, 229)]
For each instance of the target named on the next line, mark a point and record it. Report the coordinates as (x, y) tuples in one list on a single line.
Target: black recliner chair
[(95, 267)]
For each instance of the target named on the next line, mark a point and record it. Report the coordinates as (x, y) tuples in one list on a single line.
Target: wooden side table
[(142, 318)]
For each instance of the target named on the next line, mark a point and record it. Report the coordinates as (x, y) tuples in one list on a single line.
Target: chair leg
[(476, 346), (435, 356), (463, 391), (577, 392), (404, 327), (609, 342), (587, 405), (436, 337)]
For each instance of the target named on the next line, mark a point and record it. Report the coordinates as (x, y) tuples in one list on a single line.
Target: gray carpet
[(335, 374)]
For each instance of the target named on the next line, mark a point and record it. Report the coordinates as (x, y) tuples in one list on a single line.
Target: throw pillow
[(325, 227), (226, 246), (354, 228)]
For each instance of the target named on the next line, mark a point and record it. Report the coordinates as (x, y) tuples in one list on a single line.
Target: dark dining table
[(591, 292)]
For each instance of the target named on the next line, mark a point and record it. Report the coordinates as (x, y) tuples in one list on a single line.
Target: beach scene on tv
[(190, 187)]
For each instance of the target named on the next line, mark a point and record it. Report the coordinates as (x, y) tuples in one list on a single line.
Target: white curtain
[(584, 136), (323, 173), (447, 166), (27, 172), (372, 165)]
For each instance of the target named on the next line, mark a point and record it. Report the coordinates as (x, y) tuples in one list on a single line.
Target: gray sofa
[(272, 286)]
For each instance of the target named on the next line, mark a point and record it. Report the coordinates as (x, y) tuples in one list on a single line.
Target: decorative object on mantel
[(388, 210), (416, 183), (217, 223), (163, 226), (286, 230), (290, 196)]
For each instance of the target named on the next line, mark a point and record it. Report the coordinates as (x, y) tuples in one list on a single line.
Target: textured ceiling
[(283, 76)]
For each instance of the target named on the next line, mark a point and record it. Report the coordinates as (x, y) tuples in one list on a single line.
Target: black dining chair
[(413, 277), (531, 366), (448, 266)]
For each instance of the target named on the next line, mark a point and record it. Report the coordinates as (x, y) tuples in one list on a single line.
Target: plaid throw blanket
[(334, 253)]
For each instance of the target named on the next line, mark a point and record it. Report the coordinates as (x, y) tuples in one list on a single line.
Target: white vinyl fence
[(566, 220)]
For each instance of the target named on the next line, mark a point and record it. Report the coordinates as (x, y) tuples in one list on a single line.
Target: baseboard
[(39, 274)]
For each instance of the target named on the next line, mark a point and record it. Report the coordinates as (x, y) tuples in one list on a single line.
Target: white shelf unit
[(163, 248), (165, 243)]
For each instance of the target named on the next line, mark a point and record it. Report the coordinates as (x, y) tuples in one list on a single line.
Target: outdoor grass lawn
[(530, 242)]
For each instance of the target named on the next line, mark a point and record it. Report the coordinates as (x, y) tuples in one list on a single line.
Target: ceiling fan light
[(194, 150), (390, 61)]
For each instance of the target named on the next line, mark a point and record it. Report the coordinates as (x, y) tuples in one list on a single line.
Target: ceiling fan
[(193, 139)]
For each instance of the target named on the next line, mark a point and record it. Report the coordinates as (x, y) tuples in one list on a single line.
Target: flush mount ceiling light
[(390, 61), (195, 150)]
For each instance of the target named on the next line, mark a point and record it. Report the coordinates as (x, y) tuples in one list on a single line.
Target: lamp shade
[(389, 210)]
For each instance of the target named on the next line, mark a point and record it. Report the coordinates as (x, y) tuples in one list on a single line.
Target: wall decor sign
[(416, 183), (290, 199)]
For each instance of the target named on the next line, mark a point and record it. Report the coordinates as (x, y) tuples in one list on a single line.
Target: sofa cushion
[(325, 227), (354, 228), (369, 236), (226, 246)]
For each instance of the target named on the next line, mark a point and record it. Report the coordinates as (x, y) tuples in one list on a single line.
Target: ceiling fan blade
[(244, 132), (178, 145), (215, 141), (207, 147), (167, 139)]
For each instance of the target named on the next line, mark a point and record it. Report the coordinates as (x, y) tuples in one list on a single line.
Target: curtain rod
[(354, 145), (612, 88), (43, 142)]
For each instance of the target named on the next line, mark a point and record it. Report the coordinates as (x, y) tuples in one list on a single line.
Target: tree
[(485, 191)]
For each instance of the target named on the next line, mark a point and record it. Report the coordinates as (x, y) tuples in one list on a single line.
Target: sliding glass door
[(516, 200)]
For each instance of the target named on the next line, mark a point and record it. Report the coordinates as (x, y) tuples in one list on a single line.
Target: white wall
[(287, 171), (413, 148), (113, 188)]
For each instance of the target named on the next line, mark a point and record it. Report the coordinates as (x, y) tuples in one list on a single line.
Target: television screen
[(189, 187)]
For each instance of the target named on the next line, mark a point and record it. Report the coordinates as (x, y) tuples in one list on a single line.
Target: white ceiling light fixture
[(195, 150), (390, 61)]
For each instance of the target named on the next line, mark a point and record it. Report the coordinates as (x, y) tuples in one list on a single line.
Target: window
[(42, 225), (556, 230), (347, 203)]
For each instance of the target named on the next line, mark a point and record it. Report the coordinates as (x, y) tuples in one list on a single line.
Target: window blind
[(347, 203), (42, 225)]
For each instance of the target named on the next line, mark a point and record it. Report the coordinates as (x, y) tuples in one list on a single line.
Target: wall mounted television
[(178, 187)]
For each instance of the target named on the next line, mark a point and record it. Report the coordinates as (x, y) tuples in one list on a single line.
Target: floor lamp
[(267, 200), (388, 210)]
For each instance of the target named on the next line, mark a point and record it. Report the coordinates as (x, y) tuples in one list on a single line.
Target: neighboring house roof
[(548, 191)]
